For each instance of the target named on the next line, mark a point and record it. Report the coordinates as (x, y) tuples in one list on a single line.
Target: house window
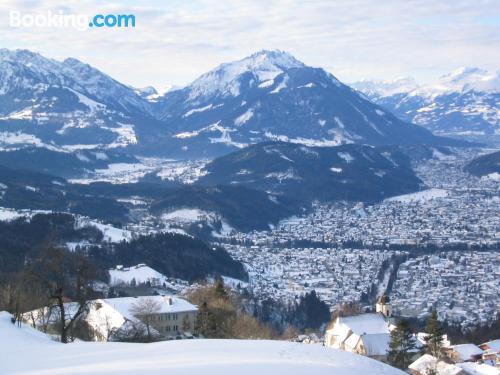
[(176, 328)]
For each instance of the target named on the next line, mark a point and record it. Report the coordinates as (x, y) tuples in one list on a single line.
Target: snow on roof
[(352, 341), (493, 345), (341, 332), (210, 357), (478, 369), (124, 304), (427, 363), (365, 323), (376, 344), (467, 351)]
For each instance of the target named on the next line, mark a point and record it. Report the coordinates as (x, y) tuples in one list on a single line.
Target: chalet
[(463, 353), (491, 352)]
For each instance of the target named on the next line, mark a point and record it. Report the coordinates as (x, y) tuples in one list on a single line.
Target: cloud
[(176, 41)]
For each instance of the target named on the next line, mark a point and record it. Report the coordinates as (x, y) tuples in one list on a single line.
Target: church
[(365, 334)]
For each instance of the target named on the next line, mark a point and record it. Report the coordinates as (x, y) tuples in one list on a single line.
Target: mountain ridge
[(461, 103), (269, 95)]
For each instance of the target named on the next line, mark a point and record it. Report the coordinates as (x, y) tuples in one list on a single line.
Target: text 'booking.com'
[(80, 22)]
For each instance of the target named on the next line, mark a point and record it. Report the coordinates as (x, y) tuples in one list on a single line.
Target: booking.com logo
[(80, 22)]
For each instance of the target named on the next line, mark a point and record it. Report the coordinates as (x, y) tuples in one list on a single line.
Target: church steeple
[(383, 306)]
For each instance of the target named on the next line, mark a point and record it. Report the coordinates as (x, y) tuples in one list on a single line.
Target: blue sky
[(175, 41)]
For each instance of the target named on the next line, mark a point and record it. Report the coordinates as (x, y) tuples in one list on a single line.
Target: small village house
[(364, 334), (463, 353)]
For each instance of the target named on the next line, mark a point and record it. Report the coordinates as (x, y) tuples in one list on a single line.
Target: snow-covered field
[(110, 233), (166, 169), (28, 352), (187, 215), (140, 273), (493, 176), (420, 196), (8, 214)]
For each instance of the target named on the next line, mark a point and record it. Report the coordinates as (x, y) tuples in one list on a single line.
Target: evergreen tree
[(220, 290), (205, 322), (402, 345), (310, 312), (434, 338)]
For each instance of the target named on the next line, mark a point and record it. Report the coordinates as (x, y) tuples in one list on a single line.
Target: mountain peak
[(264, 65), (29, 59), (71, 61), (469, 78), (463, 75), (275, 57), (17, 54)]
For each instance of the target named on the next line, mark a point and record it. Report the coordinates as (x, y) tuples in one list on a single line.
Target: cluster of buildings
[(458, 212), (337, 275), (369, 334), (457, 209), (461, 359), (462, 286)]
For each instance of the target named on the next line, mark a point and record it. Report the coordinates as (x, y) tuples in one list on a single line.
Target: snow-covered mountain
[(68, 106), (462, 103), (379, 88), (64, 105), (270, 95)]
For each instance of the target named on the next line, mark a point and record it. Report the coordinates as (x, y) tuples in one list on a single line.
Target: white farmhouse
[(170, 317), (365, 334)]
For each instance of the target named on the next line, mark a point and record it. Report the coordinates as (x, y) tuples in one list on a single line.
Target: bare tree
[(20, 292), (347, 309), (67, 277), (146, 310)]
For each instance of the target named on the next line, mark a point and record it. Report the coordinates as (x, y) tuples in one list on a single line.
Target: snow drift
[(29, 352)]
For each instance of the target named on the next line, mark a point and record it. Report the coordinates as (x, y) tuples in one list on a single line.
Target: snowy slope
[(421, 196), (13, 338), (140, 273), (66, 105), (36, 355), (464, 102), (110, 233)]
